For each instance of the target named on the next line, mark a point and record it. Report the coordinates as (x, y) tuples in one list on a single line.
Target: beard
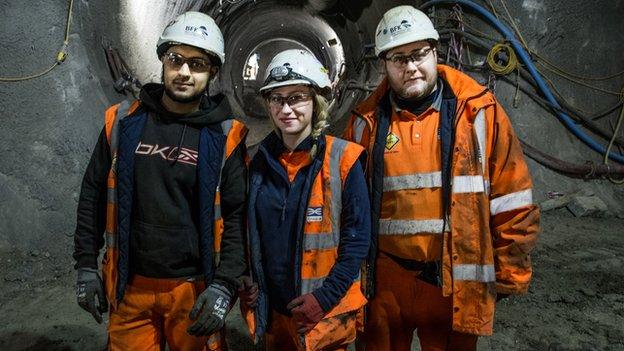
[(183, 99), (417, 91)]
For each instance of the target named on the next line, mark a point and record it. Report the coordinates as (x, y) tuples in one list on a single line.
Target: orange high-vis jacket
[(493, 220), (235, 133)]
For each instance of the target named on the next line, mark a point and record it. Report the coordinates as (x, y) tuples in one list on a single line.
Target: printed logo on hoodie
[(168, 153)]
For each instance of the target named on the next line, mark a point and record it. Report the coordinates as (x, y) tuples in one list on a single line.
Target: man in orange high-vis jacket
[(452, 211), (165, 191)]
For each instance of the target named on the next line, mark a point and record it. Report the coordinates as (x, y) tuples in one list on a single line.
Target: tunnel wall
[(50, 124)]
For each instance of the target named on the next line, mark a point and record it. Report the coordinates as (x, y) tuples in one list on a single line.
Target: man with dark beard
[(165, 190)]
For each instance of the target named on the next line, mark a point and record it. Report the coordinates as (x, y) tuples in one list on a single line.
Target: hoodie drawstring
[(175, 160)]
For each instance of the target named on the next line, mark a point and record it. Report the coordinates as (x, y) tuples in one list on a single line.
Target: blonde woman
[(309, 217)]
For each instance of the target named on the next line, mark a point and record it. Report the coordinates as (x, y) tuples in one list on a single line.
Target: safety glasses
[(294, 101), (417, 56), (196, 64)]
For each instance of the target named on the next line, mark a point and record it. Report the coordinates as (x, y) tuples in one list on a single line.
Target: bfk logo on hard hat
[(314, 214), (197, 30), (396, 29)]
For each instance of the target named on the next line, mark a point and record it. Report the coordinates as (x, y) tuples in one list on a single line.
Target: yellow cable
[(512, 62), (60, 56)]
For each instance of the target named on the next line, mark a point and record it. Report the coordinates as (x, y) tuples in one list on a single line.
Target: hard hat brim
[(394, 44)]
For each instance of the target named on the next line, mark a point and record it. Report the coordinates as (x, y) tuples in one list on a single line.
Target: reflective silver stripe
[(110, 239), (511, 201), (335, 186), (479, 125), (358, 129), (411, 227), (309, 285), (319, 241), (461, 184), (468, 184), (226, 126), (111, 195), (327, 240), (122, 112), (413, 181), (474, 272), (217, 210)]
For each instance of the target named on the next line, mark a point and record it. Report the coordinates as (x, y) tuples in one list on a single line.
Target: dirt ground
[(576, 300)]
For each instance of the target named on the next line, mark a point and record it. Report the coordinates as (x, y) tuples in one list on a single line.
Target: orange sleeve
[(514, 216)]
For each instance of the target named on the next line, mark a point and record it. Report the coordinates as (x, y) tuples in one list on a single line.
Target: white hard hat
[(296, 66), (194, 29), (403, 25)]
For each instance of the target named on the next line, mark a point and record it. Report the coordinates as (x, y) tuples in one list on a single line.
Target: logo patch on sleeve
[(314, 214), (391, 141)]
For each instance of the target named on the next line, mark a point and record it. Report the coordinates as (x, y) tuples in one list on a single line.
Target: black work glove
[(209, 310), (89, 290)]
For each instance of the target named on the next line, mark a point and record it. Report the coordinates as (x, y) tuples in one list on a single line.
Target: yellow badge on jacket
[(391, 141)]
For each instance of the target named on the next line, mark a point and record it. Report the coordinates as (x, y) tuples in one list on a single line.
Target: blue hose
[(524, 57)]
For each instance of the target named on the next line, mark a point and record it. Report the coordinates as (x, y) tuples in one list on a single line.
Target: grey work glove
[(209, 310), (90, 293)]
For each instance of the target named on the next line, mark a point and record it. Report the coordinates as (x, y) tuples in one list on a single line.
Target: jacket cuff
[(323, 300), (230, 288), (86, 261)]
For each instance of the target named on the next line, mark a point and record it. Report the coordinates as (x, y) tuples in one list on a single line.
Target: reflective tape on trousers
[(474, 272), (411, 227), (511, 201)]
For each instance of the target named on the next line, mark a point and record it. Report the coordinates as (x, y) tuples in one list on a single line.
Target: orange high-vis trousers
[(403, 303), (333, 334), (154, 313)]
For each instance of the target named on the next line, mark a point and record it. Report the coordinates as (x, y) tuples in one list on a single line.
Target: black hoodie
[(164, 236)]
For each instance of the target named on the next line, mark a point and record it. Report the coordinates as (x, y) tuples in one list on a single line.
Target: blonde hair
[(320, 120)]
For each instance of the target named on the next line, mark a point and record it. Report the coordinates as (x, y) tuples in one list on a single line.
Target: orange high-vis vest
[(321, 238), (235, 133), (493, 220)]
